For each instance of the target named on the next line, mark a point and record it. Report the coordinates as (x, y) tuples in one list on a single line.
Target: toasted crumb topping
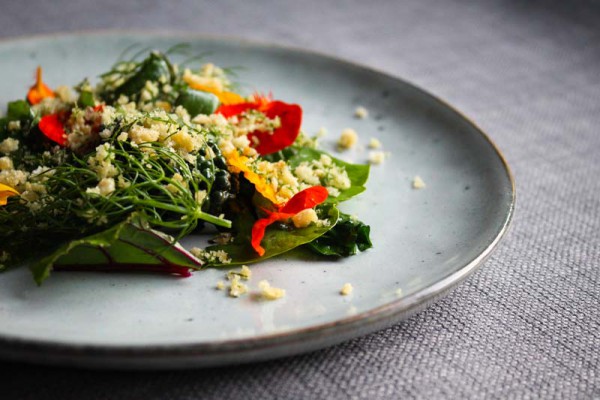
[(347, 289), (374, 143), (269, 292), (361, 112), (377, 157), (418, 183), (347, 139)]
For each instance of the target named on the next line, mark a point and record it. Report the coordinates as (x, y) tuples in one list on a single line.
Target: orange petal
[(238, 163), (39, 91), (224, 97), (6, 192)]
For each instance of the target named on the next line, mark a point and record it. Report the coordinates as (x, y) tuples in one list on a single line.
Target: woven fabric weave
[(524, 326)]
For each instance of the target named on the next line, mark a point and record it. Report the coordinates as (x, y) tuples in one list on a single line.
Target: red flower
[(308, 198), (290, 116)]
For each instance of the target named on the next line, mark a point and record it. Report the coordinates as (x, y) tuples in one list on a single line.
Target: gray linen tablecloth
[(526, 325)]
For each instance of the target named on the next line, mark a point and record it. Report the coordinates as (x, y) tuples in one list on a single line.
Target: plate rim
[(259, 347)]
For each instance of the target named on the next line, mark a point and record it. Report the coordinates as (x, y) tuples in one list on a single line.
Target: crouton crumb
[(236, 289), (376, 157), (346, 289), (269, 292), (374, 143), (347, 139), (418, 183), (361, 112)]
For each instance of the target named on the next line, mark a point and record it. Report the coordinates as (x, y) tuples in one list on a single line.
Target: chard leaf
[(348, 237), (358, 173), (277, 240), (128, 246)]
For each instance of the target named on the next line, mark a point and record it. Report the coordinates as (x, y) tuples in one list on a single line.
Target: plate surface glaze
[(425, 241)]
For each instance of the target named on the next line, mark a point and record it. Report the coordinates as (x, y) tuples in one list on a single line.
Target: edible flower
[(290, 116), (39, 91), (238, 163), (6, 192), (52, 127), (307, 198), (224, 96)]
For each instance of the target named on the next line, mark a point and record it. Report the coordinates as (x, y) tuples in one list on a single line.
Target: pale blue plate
[(426, 241)]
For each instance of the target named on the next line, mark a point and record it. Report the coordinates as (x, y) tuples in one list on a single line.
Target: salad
[(110, 177)]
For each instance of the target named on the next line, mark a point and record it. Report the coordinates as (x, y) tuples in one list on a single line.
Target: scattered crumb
[(244, 273), (305, 217), (220, 285), (361, 112), (237, 288), (376, 157), (418, 183), (347, 139), (399, 292), (321, 132), (269, 292), (374, 143), (346, 289)]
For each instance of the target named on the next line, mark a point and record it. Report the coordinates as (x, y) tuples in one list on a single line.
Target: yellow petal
[(5, 192), (239, 164), (226, 98)]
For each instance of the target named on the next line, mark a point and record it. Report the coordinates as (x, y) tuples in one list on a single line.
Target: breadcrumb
[(346, 289), (374, 143), (377, 157), (418, 183), (361, 112), (269, 292), (236, 289), (220, 285), (347, 139)]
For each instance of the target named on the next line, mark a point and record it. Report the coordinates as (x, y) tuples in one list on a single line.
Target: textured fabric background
[(527, 324)]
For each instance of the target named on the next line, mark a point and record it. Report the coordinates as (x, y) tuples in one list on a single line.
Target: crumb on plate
[(346, 289)]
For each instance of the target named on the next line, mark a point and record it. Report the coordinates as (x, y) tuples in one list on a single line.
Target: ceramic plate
[(425, 241)]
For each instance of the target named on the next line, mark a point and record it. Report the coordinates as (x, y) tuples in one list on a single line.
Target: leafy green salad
[(109, 177)]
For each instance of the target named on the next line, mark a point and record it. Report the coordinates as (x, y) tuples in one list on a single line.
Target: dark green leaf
[(18, 110), (197, 102), (348, 237), (151, 69)]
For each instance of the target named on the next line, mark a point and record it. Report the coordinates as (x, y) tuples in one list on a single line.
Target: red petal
[(308, 198), (52, 127), (290, 116), (235, 109)]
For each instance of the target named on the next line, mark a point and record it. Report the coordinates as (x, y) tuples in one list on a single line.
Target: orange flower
[(238, 163), (6, 192), (224, 96), (39, 91)]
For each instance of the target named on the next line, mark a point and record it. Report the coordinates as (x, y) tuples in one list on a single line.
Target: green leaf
[(277, 239), (197, 102), (358, 173), (86, 99), (18, 110), (127, 246), (348, 237), (151, 69)]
